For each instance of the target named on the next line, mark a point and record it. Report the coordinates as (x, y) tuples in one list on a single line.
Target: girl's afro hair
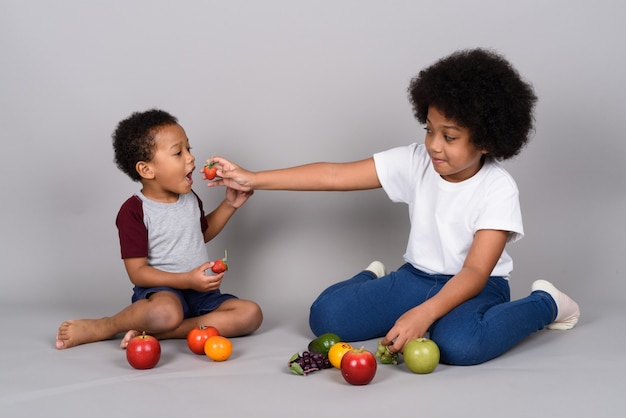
[(481, 91)]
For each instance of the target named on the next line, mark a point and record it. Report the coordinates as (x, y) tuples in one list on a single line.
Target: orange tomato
[(218, 348), (336, 352)]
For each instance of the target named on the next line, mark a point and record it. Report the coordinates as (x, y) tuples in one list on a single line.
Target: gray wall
[(278, 83)]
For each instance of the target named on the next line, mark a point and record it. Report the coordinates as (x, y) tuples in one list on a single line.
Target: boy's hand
[(201, 282), (236, 198), (231, 175)]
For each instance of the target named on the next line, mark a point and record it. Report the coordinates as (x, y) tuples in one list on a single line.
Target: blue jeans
[(478, 330)]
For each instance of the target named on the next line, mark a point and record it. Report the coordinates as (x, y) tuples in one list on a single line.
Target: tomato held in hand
[(218, 348), (209, 170), (220, 266), (198, 336)]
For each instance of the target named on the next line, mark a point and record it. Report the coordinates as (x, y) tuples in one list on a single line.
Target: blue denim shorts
[(194, 303)]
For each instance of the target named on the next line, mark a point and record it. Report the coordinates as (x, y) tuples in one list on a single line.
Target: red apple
[(358, 366), (143, 352), (421, 355)]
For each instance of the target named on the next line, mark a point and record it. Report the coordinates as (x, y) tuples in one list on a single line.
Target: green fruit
[(384, 355), (323, 343), (421, 355)]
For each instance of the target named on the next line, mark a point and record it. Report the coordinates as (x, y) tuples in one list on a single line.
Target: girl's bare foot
[(81, 331), (129, 336)]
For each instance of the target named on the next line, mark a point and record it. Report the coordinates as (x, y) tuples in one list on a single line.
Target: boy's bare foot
[(129, 336), (81, 331)]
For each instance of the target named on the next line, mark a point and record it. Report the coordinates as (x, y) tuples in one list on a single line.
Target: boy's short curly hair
[(481, 91), (133, 139)]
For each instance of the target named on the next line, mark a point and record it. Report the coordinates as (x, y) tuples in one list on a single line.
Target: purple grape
[(308, 362)]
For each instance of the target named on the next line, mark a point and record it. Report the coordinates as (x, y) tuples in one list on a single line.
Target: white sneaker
[(568, 311), (377, 268)]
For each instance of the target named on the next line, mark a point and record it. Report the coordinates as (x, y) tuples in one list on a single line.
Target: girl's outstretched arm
[(357, 175)]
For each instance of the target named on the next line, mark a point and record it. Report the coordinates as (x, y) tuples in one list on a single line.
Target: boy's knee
[(165, 317), (247, 316), (255, 316)]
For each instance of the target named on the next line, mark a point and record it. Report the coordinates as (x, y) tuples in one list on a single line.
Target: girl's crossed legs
[(478, 330)]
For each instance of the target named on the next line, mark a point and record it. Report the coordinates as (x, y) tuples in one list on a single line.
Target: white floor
[(577, 373)]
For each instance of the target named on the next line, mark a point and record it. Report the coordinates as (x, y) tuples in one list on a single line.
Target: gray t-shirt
[(170, 235)]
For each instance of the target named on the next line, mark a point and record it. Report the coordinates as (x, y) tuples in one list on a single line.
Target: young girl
[(463, 209)]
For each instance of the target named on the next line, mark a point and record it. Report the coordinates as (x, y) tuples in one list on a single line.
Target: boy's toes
[(59, 344), (129, 336)]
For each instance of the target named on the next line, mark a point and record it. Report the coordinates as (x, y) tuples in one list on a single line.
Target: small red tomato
[(209, 170), (198, 336), (143, 352), (220, 266), (358, 366)]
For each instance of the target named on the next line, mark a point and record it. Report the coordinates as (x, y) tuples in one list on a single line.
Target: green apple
[(421, 355)]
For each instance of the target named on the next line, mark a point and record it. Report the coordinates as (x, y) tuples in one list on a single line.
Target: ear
[(145, 170)]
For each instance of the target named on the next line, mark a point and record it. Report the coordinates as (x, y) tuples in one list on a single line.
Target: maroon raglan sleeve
[(132, 230)]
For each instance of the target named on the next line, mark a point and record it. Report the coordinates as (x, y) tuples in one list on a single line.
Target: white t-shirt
[(445, 216)]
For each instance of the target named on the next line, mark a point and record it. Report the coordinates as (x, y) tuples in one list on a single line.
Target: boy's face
[(169, 172), (453, 155)]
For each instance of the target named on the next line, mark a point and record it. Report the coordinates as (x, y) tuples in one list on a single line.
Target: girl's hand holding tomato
[(232, 176)]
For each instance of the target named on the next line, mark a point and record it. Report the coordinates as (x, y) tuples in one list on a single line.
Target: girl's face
[(172, 165), (453, 155)]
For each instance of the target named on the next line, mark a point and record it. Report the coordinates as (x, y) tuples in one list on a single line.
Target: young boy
[(163, 231), (464, 209)]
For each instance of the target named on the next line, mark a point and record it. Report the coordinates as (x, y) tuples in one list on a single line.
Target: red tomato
[(209, 170), (358, 366), (198, 336), (220, 266)]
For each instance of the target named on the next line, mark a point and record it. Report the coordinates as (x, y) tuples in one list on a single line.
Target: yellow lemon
[(336, 352)]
